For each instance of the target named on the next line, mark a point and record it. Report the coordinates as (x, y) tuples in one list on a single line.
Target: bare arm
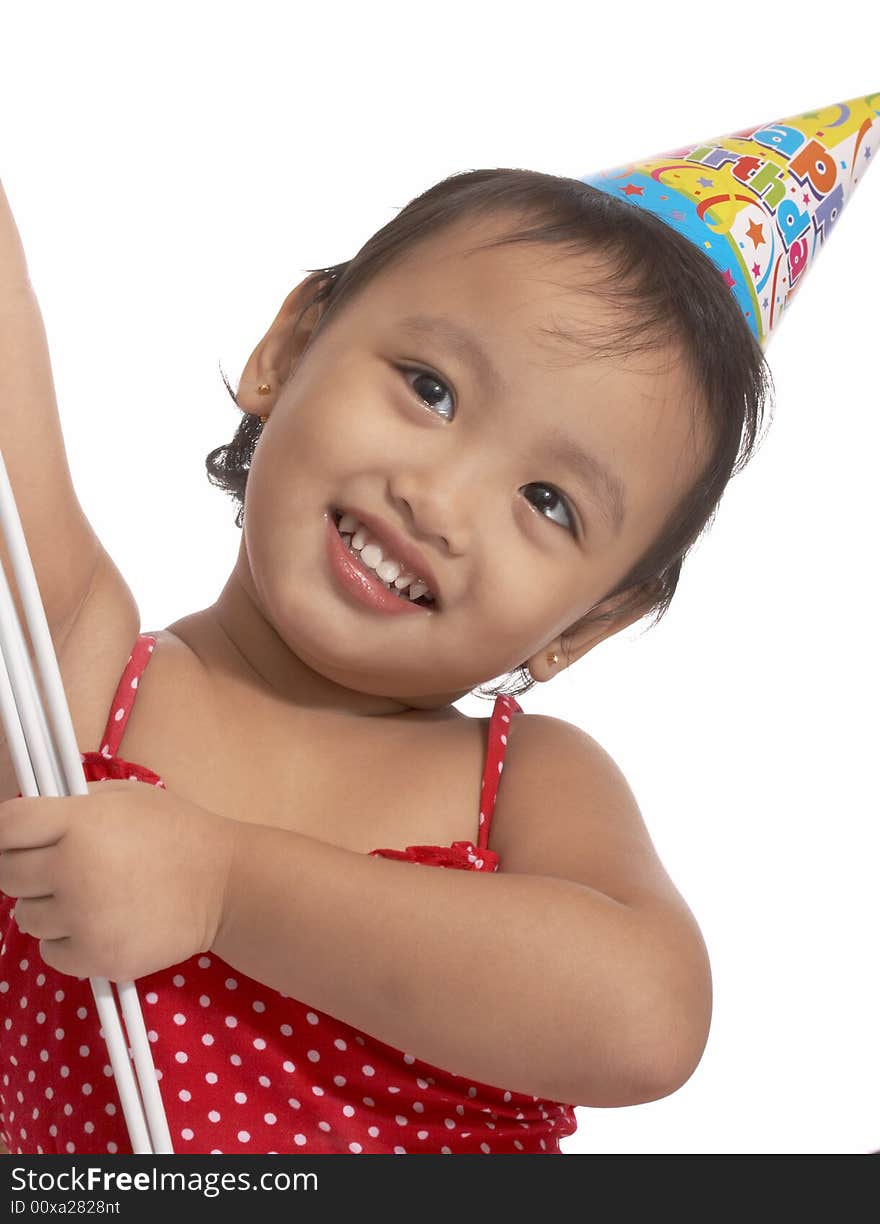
[(525, 980), (531, 983), (64, 549), (13, 265)]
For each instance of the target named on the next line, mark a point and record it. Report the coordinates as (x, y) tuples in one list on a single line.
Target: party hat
[(760, 202)]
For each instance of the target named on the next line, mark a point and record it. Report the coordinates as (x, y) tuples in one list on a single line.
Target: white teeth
[(371, 554), (388, 571), (347, 523)]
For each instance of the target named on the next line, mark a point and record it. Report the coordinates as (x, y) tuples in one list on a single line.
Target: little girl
[(481, 446)]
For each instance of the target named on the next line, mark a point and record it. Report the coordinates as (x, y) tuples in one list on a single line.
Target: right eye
[(427, 379)]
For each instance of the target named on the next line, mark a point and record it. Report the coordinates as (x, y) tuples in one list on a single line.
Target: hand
[(118, 883)]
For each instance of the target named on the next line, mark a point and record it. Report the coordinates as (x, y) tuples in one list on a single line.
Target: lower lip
[(360, 583)]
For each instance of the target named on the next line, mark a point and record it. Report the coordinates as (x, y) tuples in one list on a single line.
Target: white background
[(176, 168)]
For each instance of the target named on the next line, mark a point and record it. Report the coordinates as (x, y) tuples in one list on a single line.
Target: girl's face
[(470, 457)]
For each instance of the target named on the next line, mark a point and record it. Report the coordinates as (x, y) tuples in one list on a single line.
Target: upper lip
[(396, 546)]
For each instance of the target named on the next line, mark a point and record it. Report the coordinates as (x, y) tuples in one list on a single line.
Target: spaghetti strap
[(123, 700), (505, 707)]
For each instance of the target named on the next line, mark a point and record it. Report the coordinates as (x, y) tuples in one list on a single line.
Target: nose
[(425, 515), (438, 506), (446, 491)]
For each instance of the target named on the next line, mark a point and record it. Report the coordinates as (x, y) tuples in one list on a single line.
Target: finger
[(42, 918), (28, 873), (34, 821)]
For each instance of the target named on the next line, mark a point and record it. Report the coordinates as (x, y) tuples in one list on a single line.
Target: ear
[(592, 633), (274, 359)]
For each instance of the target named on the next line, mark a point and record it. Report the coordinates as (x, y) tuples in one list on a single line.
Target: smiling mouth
[(424, 600)]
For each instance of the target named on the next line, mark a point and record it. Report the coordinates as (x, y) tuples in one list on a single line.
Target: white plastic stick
[(38, 769)]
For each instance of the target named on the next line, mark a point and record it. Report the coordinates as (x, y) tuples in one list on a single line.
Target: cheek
[(526, 597), (351, 430), (513, 597)]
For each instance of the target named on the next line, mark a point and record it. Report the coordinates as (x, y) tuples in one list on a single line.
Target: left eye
[(415, 374), (425, 376)]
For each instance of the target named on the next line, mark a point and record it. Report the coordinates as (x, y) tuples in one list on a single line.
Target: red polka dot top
[(242, 1067)]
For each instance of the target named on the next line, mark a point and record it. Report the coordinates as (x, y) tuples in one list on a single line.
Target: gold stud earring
[(263, 389), (553, 658)]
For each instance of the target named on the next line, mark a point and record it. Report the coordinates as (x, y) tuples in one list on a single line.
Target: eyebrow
[(599, 481), (457, 338)]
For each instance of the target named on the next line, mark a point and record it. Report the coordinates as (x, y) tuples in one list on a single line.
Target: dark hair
[(661, 289)]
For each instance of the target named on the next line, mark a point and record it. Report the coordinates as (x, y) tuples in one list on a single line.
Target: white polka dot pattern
[(243, 1068)]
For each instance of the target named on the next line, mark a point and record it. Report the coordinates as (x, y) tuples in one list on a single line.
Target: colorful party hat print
[(761, 202)]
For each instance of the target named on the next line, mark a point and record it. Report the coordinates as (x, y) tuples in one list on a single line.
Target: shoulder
[(564, 808)]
